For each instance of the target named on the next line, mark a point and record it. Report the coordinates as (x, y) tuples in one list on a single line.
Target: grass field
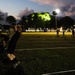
[(45, 53)]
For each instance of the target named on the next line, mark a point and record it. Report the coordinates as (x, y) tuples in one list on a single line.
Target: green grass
[(37, 62), (44, 59), (45, 41)]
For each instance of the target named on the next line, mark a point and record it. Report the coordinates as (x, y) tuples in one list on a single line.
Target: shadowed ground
[(41, 54)]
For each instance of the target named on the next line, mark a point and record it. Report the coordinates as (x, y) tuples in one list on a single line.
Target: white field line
[(59, 72), (67, 71), (44, 48)]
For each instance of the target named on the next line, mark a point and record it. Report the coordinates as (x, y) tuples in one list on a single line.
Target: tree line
[(42, 20)]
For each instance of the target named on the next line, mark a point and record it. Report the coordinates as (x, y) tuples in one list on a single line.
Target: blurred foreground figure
[(13, 66), (3, 41), (12, 45)]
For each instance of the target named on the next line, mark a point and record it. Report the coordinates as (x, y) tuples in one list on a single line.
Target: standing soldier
[(57, 32), (73, 32)]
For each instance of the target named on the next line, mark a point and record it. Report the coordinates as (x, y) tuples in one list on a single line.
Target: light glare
[(57, 10)]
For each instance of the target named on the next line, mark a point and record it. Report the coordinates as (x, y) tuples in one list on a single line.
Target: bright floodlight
[(57, 10)]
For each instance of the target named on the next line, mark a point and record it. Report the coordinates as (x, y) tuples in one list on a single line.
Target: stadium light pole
[(55, 12)]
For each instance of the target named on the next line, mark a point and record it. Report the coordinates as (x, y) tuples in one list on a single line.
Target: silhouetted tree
[(24, 22), (11, 20), (1, 16), (52, 22), (54, 13), (67, 22), (38, 20)]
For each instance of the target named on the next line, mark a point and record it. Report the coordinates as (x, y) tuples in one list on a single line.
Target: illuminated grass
[(49, 59), (38, 62), (48, 33)]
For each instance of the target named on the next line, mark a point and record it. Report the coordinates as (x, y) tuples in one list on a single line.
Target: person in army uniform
[(12, 45)]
